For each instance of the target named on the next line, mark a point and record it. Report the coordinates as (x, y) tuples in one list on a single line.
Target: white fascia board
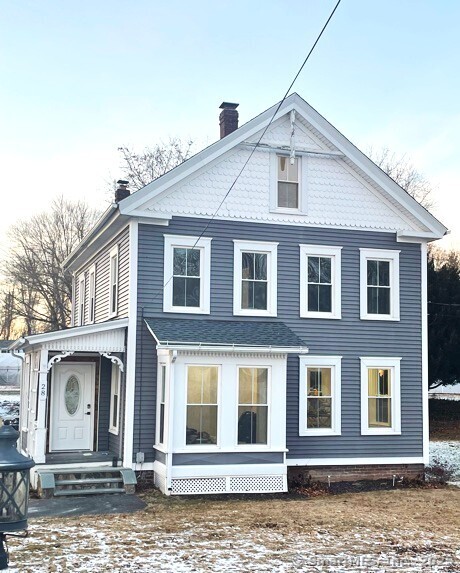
[(416, 237), (202, 158), (76, 331), (369, 167), (163, 345), (354, 461)]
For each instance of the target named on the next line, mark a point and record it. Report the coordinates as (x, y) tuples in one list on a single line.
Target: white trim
[(115, 386), (196, 471), (81, 299), (393, 364), (72, 306), (335, 364), (92, 293), (76, 331), (353, 461), (271, 250), (162, 363), (232, 349), (202, 244), (113, 279), (391, 256), (424, 318), (130, 377), (335, 254)]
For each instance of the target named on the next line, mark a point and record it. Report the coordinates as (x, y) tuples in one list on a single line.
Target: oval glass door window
[(72, 395)]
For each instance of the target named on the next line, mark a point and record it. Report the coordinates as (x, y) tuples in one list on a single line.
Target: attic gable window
[(187, 274), (288, 183)]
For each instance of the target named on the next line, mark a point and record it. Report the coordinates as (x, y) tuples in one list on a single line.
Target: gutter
[(206, 347)]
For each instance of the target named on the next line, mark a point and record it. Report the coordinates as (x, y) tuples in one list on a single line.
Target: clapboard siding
[(102, 262), (349, 337)]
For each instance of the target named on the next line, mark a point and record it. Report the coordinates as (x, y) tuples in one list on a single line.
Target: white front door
[(72, 406)]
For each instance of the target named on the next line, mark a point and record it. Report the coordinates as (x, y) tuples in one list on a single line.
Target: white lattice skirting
[(228, 484)]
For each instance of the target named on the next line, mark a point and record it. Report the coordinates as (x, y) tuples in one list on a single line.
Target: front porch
[(72, 399)]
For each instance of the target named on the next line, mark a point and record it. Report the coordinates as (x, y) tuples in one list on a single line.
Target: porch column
[(40, 424)]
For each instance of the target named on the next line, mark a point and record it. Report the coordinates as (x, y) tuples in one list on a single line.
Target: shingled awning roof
[(225, 334)]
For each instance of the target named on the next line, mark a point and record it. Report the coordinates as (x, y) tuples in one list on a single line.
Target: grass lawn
[(398, 530)]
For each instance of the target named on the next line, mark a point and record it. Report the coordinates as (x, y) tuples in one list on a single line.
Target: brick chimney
[(228, 118), (122, 191)]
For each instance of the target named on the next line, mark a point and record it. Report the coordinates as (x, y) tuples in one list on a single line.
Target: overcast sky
[(79, 79)]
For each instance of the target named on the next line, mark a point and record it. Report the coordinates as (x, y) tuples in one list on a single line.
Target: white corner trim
[(113, 253), (203, 244), (353, 461), (115, 386), (81, 299), (271, 250), (130, 377), (335, 363), (392, 363), (335, 254), (92, 293), (392, 256), (424, 318)]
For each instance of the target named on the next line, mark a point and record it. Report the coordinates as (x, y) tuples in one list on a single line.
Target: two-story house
[(224, 333)]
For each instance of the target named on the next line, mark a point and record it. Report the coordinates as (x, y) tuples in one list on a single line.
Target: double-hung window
[(187, 264), (81, 299), (320, 281), (92, 294), (202, 405), (113, 284), (115, 400), (379, 284), (380, 396), (161, 393), (319, 395), (253, 405), (255, 278), (288, 183)]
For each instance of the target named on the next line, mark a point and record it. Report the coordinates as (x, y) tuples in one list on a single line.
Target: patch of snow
[(447, 455)]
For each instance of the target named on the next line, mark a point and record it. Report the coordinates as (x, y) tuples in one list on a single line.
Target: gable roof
[(132, 205), (187, 332)]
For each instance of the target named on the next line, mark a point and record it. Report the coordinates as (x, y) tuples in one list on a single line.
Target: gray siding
[(101, 259), (349, 337), (105, 370)]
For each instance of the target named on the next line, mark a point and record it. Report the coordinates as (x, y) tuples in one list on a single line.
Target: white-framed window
[(287, 184), (81, 299), (187, 274), (92, 294), (202, 408), (114, 422), (161, 400), (320, 396), (113, 284), (253, 400), (255, 278), (320, 281), (379, 289), (380, 395)]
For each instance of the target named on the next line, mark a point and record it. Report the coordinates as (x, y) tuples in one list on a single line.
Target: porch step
[(87, 480), (89, 491)]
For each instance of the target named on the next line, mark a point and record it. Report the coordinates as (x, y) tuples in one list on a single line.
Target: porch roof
[(224, 334), (105, 336)]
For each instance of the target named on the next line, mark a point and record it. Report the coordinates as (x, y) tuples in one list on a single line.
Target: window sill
[(319, 433), (113, 315), (380, 317), (381, 432), (187, 310), (249, 312), (326, 315), (114, 431), (237, 449), (287, 211)]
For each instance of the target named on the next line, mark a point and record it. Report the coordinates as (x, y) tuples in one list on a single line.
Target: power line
[(259, 140)]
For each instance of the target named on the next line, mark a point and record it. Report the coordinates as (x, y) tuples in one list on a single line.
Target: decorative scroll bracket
[(58, 358), (114, 360)]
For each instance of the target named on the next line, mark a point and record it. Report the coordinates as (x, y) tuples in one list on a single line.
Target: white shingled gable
[(343, 187)]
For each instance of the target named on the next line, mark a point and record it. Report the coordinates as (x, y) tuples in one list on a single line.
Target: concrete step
[(58, 482), (89, 491)]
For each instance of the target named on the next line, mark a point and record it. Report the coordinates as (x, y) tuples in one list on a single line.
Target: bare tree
[(40, 289), (401, 170), (140, 169)]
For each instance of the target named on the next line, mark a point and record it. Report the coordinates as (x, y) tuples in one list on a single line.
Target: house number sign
[(42, 387)]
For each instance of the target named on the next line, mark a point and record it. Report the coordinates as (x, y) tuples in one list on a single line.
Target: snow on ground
[(446, 454), (9, 406)]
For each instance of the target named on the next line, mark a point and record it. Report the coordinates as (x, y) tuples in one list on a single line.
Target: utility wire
[(259, 140)]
